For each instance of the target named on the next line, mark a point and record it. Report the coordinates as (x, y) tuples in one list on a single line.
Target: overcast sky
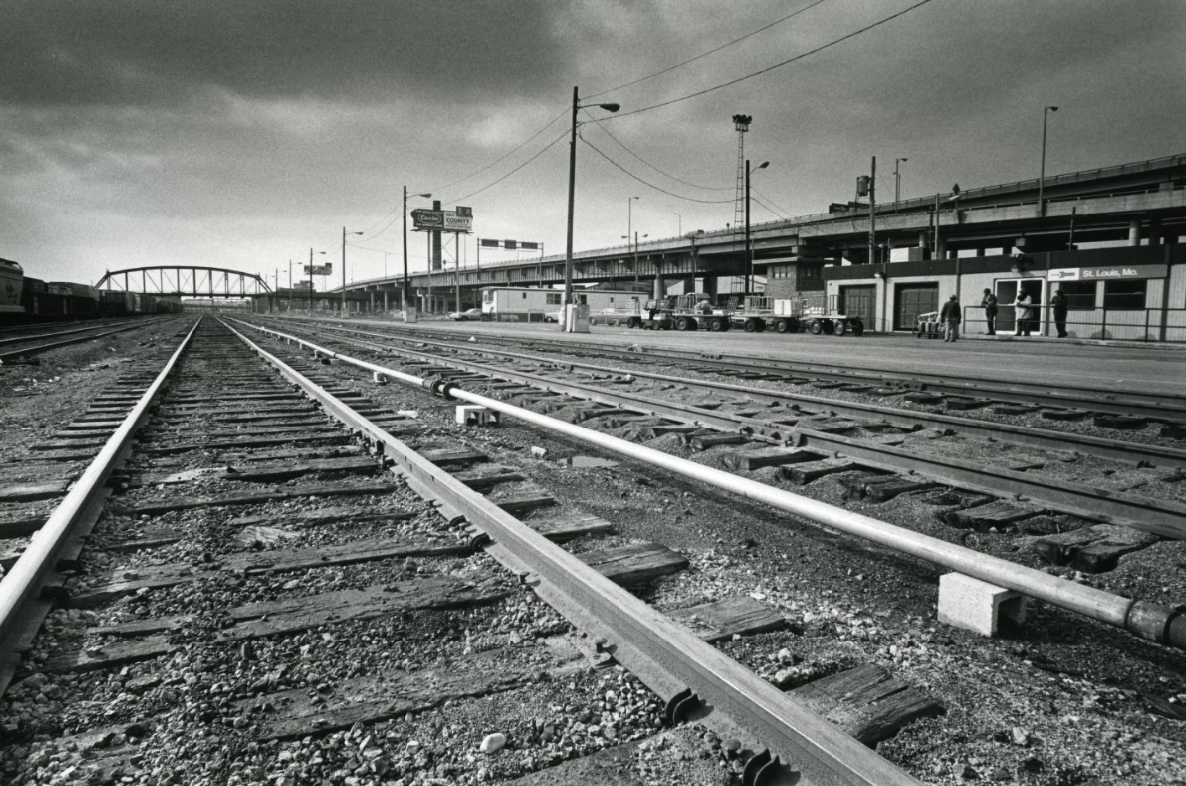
[(241, 134)]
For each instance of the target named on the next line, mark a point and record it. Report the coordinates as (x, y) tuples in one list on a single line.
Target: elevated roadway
[(1132, 202)]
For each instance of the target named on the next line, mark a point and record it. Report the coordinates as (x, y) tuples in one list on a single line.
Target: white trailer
[(532, 304)]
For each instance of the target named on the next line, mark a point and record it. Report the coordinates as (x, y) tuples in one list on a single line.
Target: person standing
[(950, 317), (990, 311), (1025, 309), (1058, 304)]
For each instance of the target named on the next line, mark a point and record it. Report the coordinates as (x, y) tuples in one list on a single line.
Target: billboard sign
[(443, 220), (458, 223), (428, 219), (319, 270)]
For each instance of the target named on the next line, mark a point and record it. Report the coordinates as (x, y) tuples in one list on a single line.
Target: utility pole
[(1042, 178), (572, 185), (897, 183), (872, 211), (290, 285)]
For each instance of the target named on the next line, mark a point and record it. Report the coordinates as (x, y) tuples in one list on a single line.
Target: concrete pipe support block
[(978, 606)]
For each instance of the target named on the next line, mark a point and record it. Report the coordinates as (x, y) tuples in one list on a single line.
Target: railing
[(1096, 324)]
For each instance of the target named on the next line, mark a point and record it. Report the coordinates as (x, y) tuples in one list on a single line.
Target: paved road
[(1154, 370)]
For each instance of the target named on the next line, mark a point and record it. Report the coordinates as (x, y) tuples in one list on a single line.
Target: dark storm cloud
[(160, 53)]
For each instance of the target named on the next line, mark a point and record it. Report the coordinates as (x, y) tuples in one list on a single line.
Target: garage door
[(857, 301), (910, 300)]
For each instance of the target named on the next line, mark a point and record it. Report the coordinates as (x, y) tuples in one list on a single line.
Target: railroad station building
[(1133, 293)]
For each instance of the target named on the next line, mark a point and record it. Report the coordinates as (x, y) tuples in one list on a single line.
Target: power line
[(796, 58), (516, 169), (473, 174), (652, 185), (652, 166), (709, 52), (769, 209), (508, 155), (496, 182), (772, 203)]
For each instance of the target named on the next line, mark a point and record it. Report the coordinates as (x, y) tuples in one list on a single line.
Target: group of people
[(1027, 314)]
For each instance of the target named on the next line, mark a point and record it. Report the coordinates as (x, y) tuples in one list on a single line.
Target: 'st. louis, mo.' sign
[(1110, 272)]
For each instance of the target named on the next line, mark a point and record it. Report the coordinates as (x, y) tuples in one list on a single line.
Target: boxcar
[(12, 283)]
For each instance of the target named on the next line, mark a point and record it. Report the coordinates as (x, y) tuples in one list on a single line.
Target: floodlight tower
[(741, 123)]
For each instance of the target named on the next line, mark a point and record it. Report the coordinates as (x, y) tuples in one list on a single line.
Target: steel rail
[(672, 656), (37, 350), (1167, 407), (1166, 518), (1046, 439), (1161, 406), (1146, 620), (79, 509), (56, 333)]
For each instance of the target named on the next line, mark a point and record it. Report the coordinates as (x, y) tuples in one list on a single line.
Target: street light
[(404, 295), (1042, 179), (749, 257), (679, 224), (627, 237), (344, 233), (897, 183), (311, 280), (572, 178)]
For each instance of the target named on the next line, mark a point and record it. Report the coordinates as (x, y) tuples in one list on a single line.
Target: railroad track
[(242, 655), (1135, 453), (1075, 402), (1036, 479), (223, 434), (45, 342)]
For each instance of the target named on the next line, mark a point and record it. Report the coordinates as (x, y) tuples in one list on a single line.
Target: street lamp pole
[(572, 182), (311, 280), (897, 183), (344, 233), (749, 256), (404, 293), (1042, 178), (629, 205)]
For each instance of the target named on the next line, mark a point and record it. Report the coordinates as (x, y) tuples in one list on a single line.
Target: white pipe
[(1088, 601)]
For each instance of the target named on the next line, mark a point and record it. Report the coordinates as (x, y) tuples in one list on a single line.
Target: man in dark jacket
[(950, 317), (1058, 305), (990, 311)]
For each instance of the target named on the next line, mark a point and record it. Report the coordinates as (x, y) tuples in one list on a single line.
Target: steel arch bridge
[(190, 281)]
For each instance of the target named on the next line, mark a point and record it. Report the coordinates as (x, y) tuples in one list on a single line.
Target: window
[(1129, 293), (553, 298), (488, 296), (524, 294), (1080, 294)]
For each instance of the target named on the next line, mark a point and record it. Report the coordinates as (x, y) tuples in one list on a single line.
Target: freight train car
[(83, 300), (12, 283)]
